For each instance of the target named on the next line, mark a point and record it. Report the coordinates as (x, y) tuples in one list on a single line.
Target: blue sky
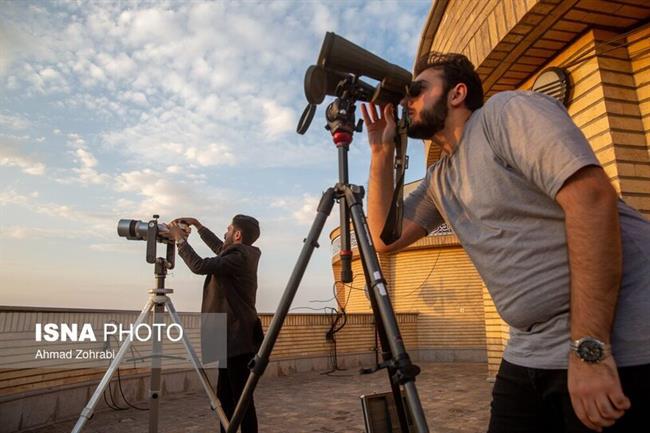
[(113, 110)]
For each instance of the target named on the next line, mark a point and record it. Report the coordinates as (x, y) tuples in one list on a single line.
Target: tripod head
[(153, 237), (154, 233), (340, 114)]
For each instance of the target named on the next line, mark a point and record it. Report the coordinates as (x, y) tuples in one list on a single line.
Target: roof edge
[(431, 27)]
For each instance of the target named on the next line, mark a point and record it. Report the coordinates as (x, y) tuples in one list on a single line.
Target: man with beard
[(566, 262), (230, 287)]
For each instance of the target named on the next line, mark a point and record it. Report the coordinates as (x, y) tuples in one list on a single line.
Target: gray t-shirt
[(497, 191)]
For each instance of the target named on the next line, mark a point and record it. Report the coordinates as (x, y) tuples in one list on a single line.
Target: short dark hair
[(456, 69), (248, 226)]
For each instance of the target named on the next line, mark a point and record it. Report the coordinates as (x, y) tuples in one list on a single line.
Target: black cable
[(119, 382), (115, 406), (610, 43), (111, 405), (433, 267), (323, 300), (310, 308), (330, 336)]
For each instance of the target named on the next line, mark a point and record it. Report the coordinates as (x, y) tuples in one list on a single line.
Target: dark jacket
[(230, 287)]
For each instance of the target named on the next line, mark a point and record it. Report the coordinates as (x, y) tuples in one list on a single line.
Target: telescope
[(340, 59), (135, 230), (151, 232), (337, 73)]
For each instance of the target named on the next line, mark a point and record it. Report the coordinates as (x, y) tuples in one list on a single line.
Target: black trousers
[(531, 400), (229, 388)]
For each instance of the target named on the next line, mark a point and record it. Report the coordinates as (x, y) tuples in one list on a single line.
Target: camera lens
[(133, 230)]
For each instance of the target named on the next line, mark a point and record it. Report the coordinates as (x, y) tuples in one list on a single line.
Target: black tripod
[(401, 372)]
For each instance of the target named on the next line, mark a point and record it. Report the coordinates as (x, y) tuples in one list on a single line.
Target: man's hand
[(596, 393), (381, 129), (175, 232), (189, 221)]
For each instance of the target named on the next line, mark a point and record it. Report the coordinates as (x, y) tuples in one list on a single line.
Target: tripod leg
[(386, 354), (405, 370), (156, 369), (87, 411), (214, 401), (261, 360)]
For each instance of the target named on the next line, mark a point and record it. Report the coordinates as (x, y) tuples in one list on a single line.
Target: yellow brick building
[(603, 48)]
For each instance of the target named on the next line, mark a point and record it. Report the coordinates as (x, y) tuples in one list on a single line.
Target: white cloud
[(322, 20), (151, 26), (137, 98), (11, 157), (306, 213), (96, 72), (86, 158), (168, 195), (10, 196), (51, 80), (212, 154), (17, 42), (28, 232), (26, 164), (95, 222), (277, 119), (85, 173), (14, 122), (113, 247), (119, 66), (75, 140)]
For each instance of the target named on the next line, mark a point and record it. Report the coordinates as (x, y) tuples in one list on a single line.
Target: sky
[(112, 110)]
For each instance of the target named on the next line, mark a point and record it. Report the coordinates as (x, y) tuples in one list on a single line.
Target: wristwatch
[(590, 349), (180, 242)]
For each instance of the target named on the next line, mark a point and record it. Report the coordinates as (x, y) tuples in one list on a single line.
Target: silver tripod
[(158, 301)]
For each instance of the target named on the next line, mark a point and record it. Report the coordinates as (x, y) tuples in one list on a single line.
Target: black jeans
[(531, 400), (229, 388)]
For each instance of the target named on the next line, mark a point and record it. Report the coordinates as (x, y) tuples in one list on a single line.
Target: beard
[(227, 241), (432, 122)]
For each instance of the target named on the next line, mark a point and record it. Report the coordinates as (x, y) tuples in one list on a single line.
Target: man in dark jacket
[(230, 287)]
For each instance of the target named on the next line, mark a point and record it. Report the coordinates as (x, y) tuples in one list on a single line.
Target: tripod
[(401, 372), (158, 301)]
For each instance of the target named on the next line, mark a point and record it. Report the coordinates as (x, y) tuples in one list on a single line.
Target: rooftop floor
[(455, 397)]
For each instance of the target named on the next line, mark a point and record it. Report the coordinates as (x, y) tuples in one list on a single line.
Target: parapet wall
[(33, 397)]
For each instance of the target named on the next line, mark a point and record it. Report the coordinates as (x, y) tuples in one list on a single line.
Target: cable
[(114, 405), (433, 267), (119, 383), (310, 308), (323, 300), (610, 43), (331, 336)]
